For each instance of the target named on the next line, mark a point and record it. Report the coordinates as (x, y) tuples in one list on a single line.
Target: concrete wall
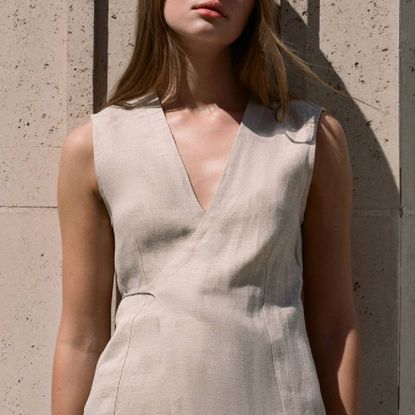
[(46, 89), (354, 46), (55, 72)]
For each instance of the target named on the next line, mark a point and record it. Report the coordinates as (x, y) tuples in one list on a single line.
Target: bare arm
[(87, 275), (328, 292)]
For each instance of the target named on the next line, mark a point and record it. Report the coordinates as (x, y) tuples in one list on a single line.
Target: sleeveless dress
[(211, 319)]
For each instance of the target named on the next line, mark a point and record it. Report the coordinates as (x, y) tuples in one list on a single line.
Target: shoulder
[(77, 145), (328, 128), (332, 151), (304, 114), (76, 164), (331, 182), (330, 133)]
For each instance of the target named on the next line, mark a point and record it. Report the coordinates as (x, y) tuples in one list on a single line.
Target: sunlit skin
[(211, 101), (199, 33)]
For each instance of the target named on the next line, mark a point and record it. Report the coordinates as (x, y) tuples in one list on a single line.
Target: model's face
[(198, 27)]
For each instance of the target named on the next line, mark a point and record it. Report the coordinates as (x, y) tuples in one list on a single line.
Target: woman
[(200, 185)]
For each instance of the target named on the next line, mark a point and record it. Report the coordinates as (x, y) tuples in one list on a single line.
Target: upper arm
[(328, 293), (87, 244)]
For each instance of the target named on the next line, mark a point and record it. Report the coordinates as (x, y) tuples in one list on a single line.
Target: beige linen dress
[(211, 320)]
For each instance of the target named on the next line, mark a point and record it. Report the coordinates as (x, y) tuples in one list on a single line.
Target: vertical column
[(407, 138), (100, 72)]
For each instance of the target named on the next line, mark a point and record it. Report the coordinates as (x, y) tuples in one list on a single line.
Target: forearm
[(73, 371), (337, 358)]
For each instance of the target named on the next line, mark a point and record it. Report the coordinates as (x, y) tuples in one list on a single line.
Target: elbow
[(82, 343), (337, 332)]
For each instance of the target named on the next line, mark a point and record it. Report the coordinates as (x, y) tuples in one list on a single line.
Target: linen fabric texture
[(211, 320)]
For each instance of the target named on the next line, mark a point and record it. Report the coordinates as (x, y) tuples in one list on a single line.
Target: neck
[(208, 78)]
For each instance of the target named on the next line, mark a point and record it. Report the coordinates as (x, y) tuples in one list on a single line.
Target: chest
[(203, 142), (166, 171)]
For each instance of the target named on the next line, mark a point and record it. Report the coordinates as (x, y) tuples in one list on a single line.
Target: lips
[(212, 5)]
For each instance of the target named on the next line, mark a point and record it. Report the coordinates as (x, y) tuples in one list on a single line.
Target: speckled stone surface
[(46, 72), (46, 56)]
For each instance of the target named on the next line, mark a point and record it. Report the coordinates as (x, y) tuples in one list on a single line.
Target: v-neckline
[(180, 165)]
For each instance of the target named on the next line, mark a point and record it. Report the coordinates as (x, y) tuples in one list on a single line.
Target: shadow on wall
[(100, 65), (375, 198), (376, 207)]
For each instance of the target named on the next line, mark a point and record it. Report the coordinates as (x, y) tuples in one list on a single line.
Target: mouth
[(213, 6)]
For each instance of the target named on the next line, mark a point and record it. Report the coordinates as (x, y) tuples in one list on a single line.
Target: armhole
[(97, 157), (311, 151)]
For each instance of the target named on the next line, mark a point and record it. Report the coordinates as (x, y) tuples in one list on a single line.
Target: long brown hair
[(258, 59)]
